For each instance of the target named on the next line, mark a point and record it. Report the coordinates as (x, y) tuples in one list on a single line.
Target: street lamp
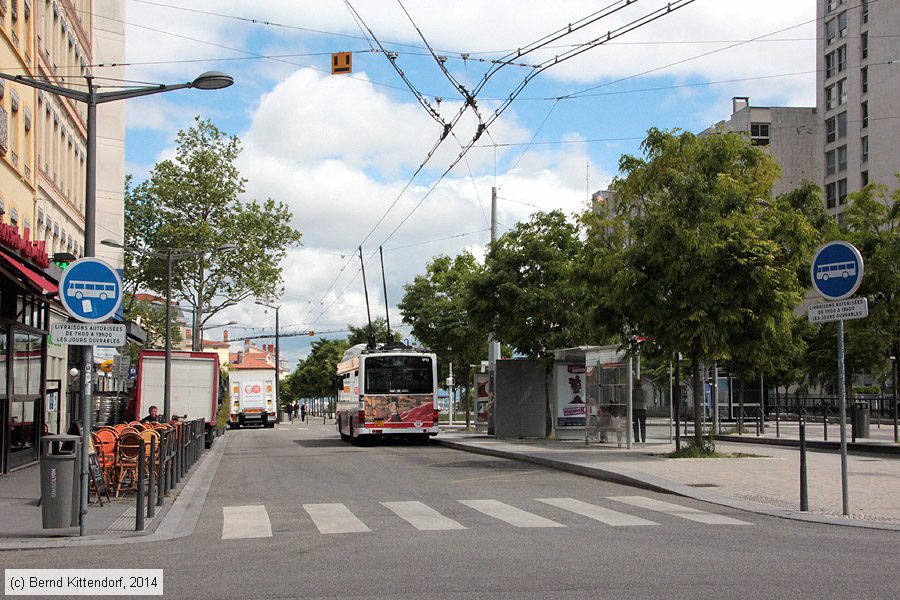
[(171, 255), (211, 80), (277, 363)]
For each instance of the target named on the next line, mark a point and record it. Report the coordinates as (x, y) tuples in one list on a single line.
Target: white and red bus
[(388, 391)]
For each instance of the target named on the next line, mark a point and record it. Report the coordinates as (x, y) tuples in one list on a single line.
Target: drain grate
[(703, 485)]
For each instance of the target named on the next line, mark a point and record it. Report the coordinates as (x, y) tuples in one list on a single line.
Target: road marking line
[(509, 514), (692, 514), (598, 513), (245, 522), (334, 518), (421, 516), (497, 477)]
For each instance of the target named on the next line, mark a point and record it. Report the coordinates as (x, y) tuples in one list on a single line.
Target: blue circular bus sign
[(837, 270), (90, 290)]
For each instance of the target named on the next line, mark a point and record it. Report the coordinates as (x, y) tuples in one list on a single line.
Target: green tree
[(314, 375), (360, 335), (872, 224), (711, 262), (192, 203), (528, 295), (436, 306)]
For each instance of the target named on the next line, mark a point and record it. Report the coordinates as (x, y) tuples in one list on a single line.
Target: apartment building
[(791, 135), (858, 95)]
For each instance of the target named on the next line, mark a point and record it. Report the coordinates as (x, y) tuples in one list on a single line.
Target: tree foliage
[(527, 294), (711, 262), (192, 203), (360, 334), (314, 375), (436, 305)]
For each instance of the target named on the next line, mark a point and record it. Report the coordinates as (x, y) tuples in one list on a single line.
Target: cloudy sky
[(342, 151)]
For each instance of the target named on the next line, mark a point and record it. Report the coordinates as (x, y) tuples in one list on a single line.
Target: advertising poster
[(401, 408), (481, 398), (570, 390)]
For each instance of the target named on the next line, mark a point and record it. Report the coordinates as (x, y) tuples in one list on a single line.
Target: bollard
[(804, 494), (825, 424), (139, 512), (758, 424), (777, 424), (151, 480)]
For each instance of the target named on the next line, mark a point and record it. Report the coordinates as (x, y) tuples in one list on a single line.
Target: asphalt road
[(296, 513)]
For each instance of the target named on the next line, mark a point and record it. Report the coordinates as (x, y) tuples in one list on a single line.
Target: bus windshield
[(398, 375)]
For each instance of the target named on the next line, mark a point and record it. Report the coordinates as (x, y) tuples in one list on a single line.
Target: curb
[(176, 520), (659, 484)]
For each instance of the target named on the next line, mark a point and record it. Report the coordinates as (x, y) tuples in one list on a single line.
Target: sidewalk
[(767, 483), (112, 523)]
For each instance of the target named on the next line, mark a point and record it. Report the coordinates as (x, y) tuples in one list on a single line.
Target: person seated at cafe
[(152, 417)]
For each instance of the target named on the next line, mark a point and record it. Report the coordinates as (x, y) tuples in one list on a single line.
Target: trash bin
[(860, 420), (60, 489)]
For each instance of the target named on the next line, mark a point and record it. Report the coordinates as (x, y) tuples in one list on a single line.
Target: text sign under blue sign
[(837, 270), (90, 290)]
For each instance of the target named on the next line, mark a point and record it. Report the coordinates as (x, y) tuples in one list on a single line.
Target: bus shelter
[(599, 396)]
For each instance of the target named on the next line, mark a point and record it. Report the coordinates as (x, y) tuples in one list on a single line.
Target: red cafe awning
[(44, 284)]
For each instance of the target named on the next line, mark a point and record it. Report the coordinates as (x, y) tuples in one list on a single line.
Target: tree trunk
[(698, 399)]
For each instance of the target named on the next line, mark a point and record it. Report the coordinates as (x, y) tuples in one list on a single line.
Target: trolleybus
[(387, 391)]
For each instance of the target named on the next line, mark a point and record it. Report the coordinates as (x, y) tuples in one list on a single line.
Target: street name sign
[(842, 310), (88, 334), (837, 270), (90, 290)]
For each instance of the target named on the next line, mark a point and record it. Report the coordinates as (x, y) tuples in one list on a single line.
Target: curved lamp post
[(211, 80)]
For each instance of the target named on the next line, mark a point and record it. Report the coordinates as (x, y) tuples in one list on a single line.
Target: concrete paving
[(765, 483)]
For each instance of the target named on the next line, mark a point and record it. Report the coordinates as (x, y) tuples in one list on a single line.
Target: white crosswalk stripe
[(245, 522), (692, 514), (598, 513), (421, 516), (334, 518), (510, 514), (253, 521)]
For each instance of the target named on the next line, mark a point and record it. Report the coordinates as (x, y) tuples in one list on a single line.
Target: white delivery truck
[(194, 386), (252, 396)]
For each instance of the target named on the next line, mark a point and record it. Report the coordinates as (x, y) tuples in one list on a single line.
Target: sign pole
[(845, 489)]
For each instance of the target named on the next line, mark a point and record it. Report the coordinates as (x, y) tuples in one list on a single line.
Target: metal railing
[(179, 448)]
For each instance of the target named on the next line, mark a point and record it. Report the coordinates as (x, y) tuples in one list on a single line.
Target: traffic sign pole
[(837, 272), (845, 487)]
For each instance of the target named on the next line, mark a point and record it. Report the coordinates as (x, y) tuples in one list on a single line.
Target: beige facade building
[(790, 135), (858, 94)]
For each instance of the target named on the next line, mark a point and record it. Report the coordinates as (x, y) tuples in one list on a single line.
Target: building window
[(842, 125), (830, 162), (830, 30), (830, 66), (865, 11), (864, 108), (865, 148), (830, 131), (832, 4), (864, 178), (864, 79), (842, 24), (842, 92), (829, 97), (830, 195), (841, 158), (759, 134), (841, 58), (842, 191), (864, 44)]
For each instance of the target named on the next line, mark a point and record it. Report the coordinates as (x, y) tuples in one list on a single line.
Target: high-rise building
[(858, 95)]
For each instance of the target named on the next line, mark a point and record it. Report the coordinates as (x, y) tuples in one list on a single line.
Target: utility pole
[(493, 345)]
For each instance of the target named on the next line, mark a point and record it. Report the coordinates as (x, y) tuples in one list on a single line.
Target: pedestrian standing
[(303, 413), (292, 410), (639, 413)]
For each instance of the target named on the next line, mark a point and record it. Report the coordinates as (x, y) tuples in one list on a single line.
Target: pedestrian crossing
[(253, 521)]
